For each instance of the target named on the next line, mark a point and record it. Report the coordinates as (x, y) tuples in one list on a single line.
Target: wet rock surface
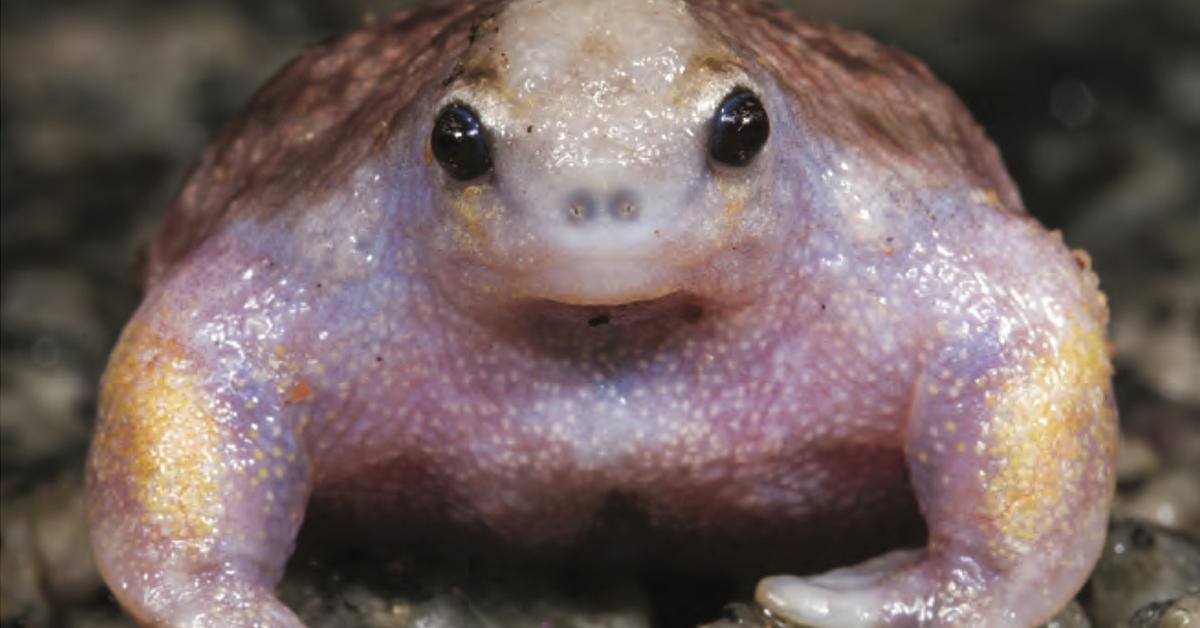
[(1142, 565), (1072, 616), (1180, 613), (104, 106), (388, 595)]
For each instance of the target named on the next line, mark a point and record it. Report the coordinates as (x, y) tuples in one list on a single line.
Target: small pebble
[(1137, 460), (1181, 613), (1071, 616), (1171, 499), (1141, 564)]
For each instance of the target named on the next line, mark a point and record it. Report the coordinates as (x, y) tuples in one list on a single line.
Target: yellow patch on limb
[(1053, 428), (157, 439)]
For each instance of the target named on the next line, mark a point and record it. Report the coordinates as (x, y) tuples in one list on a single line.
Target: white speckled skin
[(798, 361)]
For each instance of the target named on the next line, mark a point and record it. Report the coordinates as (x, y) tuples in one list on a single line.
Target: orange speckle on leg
[(1054, 432), (299, 392)]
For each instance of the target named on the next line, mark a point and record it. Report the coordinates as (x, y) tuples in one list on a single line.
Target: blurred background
[(1095, 105)]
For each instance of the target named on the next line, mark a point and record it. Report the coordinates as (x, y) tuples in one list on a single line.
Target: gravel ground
[(104, 105)]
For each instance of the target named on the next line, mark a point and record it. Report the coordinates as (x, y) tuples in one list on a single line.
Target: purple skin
[(801, 359)]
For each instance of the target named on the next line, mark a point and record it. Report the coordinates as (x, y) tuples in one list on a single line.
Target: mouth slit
[(615, 334), (596, 321), (671, 311)]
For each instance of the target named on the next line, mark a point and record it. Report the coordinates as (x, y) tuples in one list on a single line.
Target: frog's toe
[(807, 602), (852, 596)]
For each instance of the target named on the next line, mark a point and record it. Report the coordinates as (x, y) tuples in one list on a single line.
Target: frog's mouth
[(677, 308), (616, 333)]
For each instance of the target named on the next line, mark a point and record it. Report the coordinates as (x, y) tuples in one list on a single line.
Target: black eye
[(740, 128), (459, 143)]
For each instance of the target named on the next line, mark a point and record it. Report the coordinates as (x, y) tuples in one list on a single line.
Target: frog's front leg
[(196, 487), (1012, 465)]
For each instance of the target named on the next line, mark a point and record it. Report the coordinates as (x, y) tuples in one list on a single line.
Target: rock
[(1071, 616), (45, 559), (1141, 564), (746, 615), (41, 416), (1138, 460), (349, 590), (1170, 499), (1181, 613)]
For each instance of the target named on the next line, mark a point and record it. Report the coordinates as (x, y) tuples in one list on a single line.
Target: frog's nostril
[(581, 206), (623, 205)]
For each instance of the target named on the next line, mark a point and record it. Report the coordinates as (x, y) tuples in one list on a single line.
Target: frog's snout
[(589, 207)]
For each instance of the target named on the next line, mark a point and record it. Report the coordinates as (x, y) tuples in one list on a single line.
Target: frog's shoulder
[(857, 92), (307, 128)]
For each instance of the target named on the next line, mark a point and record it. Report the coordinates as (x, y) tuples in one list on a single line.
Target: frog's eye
[(459, 143), (740, 128)]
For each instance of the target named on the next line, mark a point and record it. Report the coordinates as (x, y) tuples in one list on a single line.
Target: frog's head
[(602, 153)]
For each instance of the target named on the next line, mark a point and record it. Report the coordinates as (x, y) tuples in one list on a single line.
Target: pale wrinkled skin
[(777, 368)]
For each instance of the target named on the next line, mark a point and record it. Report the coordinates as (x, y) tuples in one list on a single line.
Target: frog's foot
[(1013, 472), (902, 586), (969, 580)]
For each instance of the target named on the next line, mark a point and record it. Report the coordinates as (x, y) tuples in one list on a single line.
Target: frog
[(696, 282)]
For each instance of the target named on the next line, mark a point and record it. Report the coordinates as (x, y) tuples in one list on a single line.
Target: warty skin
[(859, 338)]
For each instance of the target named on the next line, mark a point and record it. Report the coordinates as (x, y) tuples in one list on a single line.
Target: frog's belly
[(806, 506)]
